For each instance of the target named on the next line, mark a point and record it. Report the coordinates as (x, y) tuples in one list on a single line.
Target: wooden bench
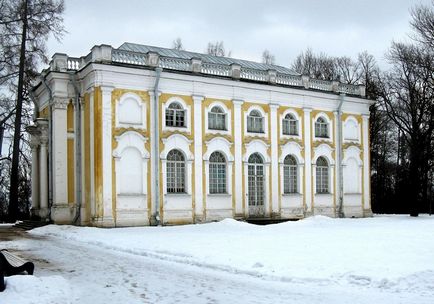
[(11, 264)]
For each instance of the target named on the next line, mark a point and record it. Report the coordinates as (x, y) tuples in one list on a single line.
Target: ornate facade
[(142, 135)]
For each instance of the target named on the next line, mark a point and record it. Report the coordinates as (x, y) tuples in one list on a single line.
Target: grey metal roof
[(140, 48)]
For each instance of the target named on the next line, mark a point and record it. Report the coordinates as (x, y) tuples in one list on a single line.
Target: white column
[(307, 159), (366, 177), (198, 161), (274, 159), (107, 156), (60, 211), (43, 178), (35, 176), (338, 158), (238, 158)]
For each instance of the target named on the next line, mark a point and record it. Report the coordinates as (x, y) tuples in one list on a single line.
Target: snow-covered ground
[(387, 259)]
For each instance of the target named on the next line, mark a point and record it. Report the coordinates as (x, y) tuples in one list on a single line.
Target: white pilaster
[(198, 161), (107, 155), (274, 160), (34, 145), (35, 177), (43, 169), (366, 172), (338, 160), (238, 157), (60, 211), (307, 160)]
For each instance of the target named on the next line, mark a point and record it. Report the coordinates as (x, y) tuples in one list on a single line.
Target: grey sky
[(336, 27)]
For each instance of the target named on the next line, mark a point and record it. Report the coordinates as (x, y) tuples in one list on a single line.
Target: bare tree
[(348, 70), (177, 44), (217, 49), (407, 92), (316, 66), (422, 23), (24, 28), (267, 57)]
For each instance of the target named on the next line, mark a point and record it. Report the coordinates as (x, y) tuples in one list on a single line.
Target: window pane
[(175, 172), (217, 173)]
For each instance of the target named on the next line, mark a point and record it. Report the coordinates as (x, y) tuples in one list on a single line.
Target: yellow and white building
[(142, 135)]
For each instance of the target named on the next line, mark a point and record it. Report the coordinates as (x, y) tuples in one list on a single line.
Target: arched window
[(255, 122), (290, 125), (217, 119), (321, 128), (322, 175), (175, 115), (289, 174), (255, 158), (217, 173), (175, 172)]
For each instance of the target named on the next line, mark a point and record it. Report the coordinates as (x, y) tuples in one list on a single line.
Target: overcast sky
[(286, 28)]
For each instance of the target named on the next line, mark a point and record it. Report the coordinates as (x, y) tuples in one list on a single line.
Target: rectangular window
[(321, 130), (216, 121), (322, 180), (255, 124), (290, 179), (175, 177), (175, 118), (289, 127), (217, 178)]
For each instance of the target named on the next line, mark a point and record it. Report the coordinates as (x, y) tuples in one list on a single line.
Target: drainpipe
[(50, 149), (155, 160), (78, 161), (339, 158)]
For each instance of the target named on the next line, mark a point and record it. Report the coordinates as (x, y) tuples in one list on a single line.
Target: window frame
[(258, 120), (223, 116), (320, 126), (290, 175), (217, 174), (177, 114), (322, 176), (291, 130), (176, 177)]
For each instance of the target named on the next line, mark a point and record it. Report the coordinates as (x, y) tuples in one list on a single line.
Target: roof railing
[(106, 54)]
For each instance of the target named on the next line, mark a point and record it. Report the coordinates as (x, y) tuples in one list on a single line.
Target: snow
[(25, 289), (316, 260)]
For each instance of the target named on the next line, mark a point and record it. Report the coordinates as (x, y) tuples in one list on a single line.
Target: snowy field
[(385, 259)]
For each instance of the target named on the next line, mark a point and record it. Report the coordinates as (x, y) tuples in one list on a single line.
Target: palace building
[(143, 135)]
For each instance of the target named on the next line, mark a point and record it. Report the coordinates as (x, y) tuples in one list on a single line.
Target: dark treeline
[(402, 120)]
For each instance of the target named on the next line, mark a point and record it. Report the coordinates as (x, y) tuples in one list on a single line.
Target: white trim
[(264, 116), (330, 128), (299, 121), (140, 103), (228, 113), (347, 120), (187, 128)]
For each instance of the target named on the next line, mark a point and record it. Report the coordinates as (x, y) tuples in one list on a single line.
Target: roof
[(140, 48)]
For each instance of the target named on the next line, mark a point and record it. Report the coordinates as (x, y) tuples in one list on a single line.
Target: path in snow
[(98, 275)]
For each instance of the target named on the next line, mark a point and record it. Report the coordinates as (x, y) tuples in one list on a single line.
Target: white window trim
[(294, 149), (330, 128), (223, 146), (299, 122), (228, 113), (140, 103), (359, 131), (135, 140), (265, 117), (181, 143), (187, 128)]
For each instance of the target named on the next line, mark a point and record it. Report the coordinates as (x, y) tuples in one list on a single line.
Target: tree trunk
[(13, 193), (415, 178)]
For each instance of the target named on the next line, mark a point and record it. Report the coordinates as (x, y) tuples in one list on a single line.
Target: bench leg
[(2, 281)]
